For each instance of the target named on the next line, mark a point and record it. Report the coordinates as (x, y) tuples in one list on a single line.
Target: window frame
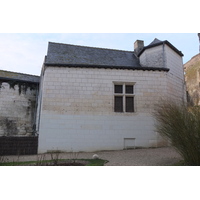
[(124, 95)]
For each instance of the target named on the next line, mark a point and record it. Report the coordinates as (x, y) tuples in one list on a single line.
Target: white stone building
[(102, 99)]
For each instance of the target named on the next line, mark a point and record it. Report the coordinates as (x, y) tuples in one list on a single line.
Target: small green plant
[(181, 126), (3, 159), (40, 160), (73, 156), (55, 157)]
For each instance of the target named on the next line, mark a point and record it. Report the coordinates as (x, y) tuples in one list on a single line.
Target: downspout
[(35, 112), (40, 100), (40, 97)]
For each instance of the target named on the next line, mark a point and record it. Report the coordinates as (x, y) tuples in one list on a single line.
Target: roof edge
[(20, 73), (160, 43), (106, 67), (19, 80)]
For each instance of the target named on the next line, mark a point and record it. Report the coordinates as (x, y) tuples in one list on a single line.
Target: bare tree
[(199, 41)]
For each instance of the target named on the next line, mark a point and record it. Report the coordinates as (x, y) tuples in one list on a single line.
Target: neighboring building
[(192, 78), (102, 99), (18, 103), (18, 96)]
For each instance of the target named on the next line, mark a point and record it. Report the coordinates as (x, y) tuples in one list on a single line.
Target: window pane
[(129, 104), (118, 104), (118, 89), (129, 89)]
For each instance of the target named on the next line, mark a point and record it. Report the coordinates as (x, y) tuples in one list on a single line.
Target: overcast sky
[(24, 52)]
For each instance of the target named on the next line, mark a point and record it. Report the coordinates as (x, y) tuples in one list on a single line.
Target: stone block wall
[(176, 82), (82, 90), (153, 57), (18, 101), (77, 109), (163, 56)]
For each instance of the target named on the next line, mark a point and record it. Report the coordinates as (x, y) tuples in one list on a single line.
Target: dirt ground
[(165, 156)]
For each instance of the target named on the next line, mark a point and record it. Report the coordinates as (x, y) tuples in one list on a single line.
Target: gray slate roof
[(65, 54), (7, 75), (157, 42)]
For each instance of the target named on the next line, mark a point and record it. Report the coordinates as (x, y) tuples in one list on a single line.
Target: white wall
[(153, 57), (78, 109), (163, 56), (176, 82)]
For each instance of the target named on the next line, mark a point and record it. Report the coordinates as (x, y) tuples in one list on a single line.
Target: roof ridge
[(92, 47)]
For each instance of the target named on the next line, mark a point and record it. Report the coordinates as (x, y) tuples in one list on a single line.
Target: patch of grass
[(96, 162), (91, 162), (26, 163)]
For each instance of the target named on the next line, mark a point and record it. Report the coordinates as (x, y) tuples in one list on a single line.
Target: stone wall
[(18, 99), (77, 109), (192, 78), (176, 82), (164, 56), (153, 57)]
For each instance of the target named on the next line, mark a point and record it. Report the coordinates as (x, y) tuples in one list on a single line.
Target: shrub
[(181, 126)]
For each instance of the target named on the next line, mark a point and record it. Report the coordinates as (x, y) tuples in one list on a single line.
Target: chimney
[(138, 46)]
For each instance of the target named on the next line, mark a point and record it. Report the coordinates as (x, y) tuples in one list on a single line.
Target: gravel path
[(143, 157), (165, 156)]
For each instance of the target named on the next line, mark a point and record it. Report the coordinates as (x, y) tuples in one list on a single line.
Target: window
[(124, 97)]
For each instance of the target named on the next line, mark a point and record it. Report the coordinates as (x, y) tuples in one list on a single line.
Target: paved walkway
[(165, 156)]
